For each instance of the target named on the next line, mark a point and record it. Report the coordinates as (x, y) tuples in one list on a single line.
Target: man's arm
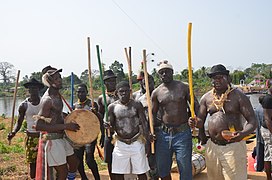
[(201, 118), (155, 105), (22, 110), (247, 111), (101, 108), (42, 125), (111, 117), (143, 120)]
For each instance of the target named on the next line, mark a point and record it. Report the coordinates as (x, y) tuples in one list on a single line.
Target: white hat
[(164, 64)]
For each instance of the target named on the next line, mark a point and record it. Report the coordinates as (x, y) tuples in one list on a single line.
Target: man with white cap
[(60, 154), (171, 99)]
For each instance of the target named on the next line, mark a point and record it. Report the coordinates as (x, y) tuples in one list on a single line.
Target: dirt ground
[(252, 175)]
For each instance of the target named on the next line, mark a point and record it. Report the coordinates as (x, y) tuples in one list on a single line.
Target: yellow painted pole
[(190, 72)]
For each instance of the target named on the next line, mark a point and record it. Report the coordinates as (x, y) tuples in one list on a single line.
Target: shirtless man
[(85, 103), (126, 116), (29, 107), (225, 159), (110, 83), (153, 172), (50, 119), (174, 136)]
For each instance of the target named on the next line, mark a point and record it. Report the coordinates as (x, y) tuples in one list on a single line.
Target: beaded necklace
[(219, 102), (82, 103)]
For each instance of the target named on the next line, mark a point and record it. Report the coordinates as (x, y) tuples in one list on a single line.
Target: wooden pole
[(147, 93), (14, 101), (129, 69), (190, 74), (90, 71), (91, 89)]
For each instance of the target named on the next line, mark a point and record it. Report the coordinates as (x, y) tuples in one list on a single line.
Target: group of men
[(127, 143)]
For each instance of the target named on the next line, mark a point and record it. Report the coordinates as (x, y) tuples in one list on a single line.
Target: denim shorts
[(180, 144)]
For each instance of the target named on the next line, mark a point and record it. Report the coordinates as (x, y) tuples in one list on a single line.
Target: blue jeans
[(180, 144)]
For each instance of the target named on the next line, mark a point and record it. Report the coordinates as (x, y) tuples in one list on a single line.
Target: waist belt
[(52, 136), (220, 142), (33, 134), (129, 141), (174, 129)]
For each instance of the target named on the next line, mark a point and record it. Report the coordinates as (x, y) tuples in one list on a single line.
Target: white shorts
[(129, 158), (57, 151)]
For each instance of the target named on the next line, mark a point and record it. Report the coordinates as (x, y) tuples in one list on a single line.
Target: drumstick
[(150, 116), (90, 71), (14, 101), (100, 153), (192, 102), (129, 69), (103, 89)]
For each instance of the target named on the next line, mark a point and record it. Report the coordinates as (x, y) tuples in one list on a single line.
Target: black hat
[(33, 82), (109, 74), (50, 70), (218, 69)]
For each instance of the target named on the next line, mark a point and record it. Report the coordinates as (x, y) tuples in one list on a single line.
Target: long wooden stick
[(147, 93), (91, 89), (90, 71), (14, 101), (129, 69)]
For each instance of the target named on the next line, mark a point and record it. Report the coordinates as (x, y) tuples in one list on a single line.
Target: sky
[(37, 33)]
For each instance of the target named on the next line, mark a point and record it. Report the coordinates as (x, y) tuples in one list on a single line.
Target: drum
[(89, 127), (198, 163)]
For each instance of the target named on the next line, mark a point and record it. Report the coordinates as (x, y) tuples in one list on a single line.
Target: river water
[(6, 104)]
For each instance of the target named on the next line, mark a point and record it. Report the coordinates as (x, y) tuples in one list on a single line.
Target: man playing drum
[(126, 116), (29, 107), (228, 107), (110, 83), (85, 103), (50, 119)]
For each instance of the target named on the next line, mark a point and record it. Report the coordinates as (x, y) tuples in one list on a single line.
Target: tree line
[(200, 80)]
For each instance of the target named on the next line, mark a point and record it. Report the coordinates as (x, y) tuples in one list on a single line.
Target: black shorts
[(108, 149)]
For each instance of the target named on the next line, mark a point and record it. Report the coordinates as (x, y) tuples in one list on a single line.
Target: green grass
[(6, 149), (2, 126)]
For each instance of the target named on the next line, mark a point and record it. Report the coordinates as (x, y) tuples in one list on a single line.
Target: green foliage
[(2, 125), (10, 149), (118, 70)]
